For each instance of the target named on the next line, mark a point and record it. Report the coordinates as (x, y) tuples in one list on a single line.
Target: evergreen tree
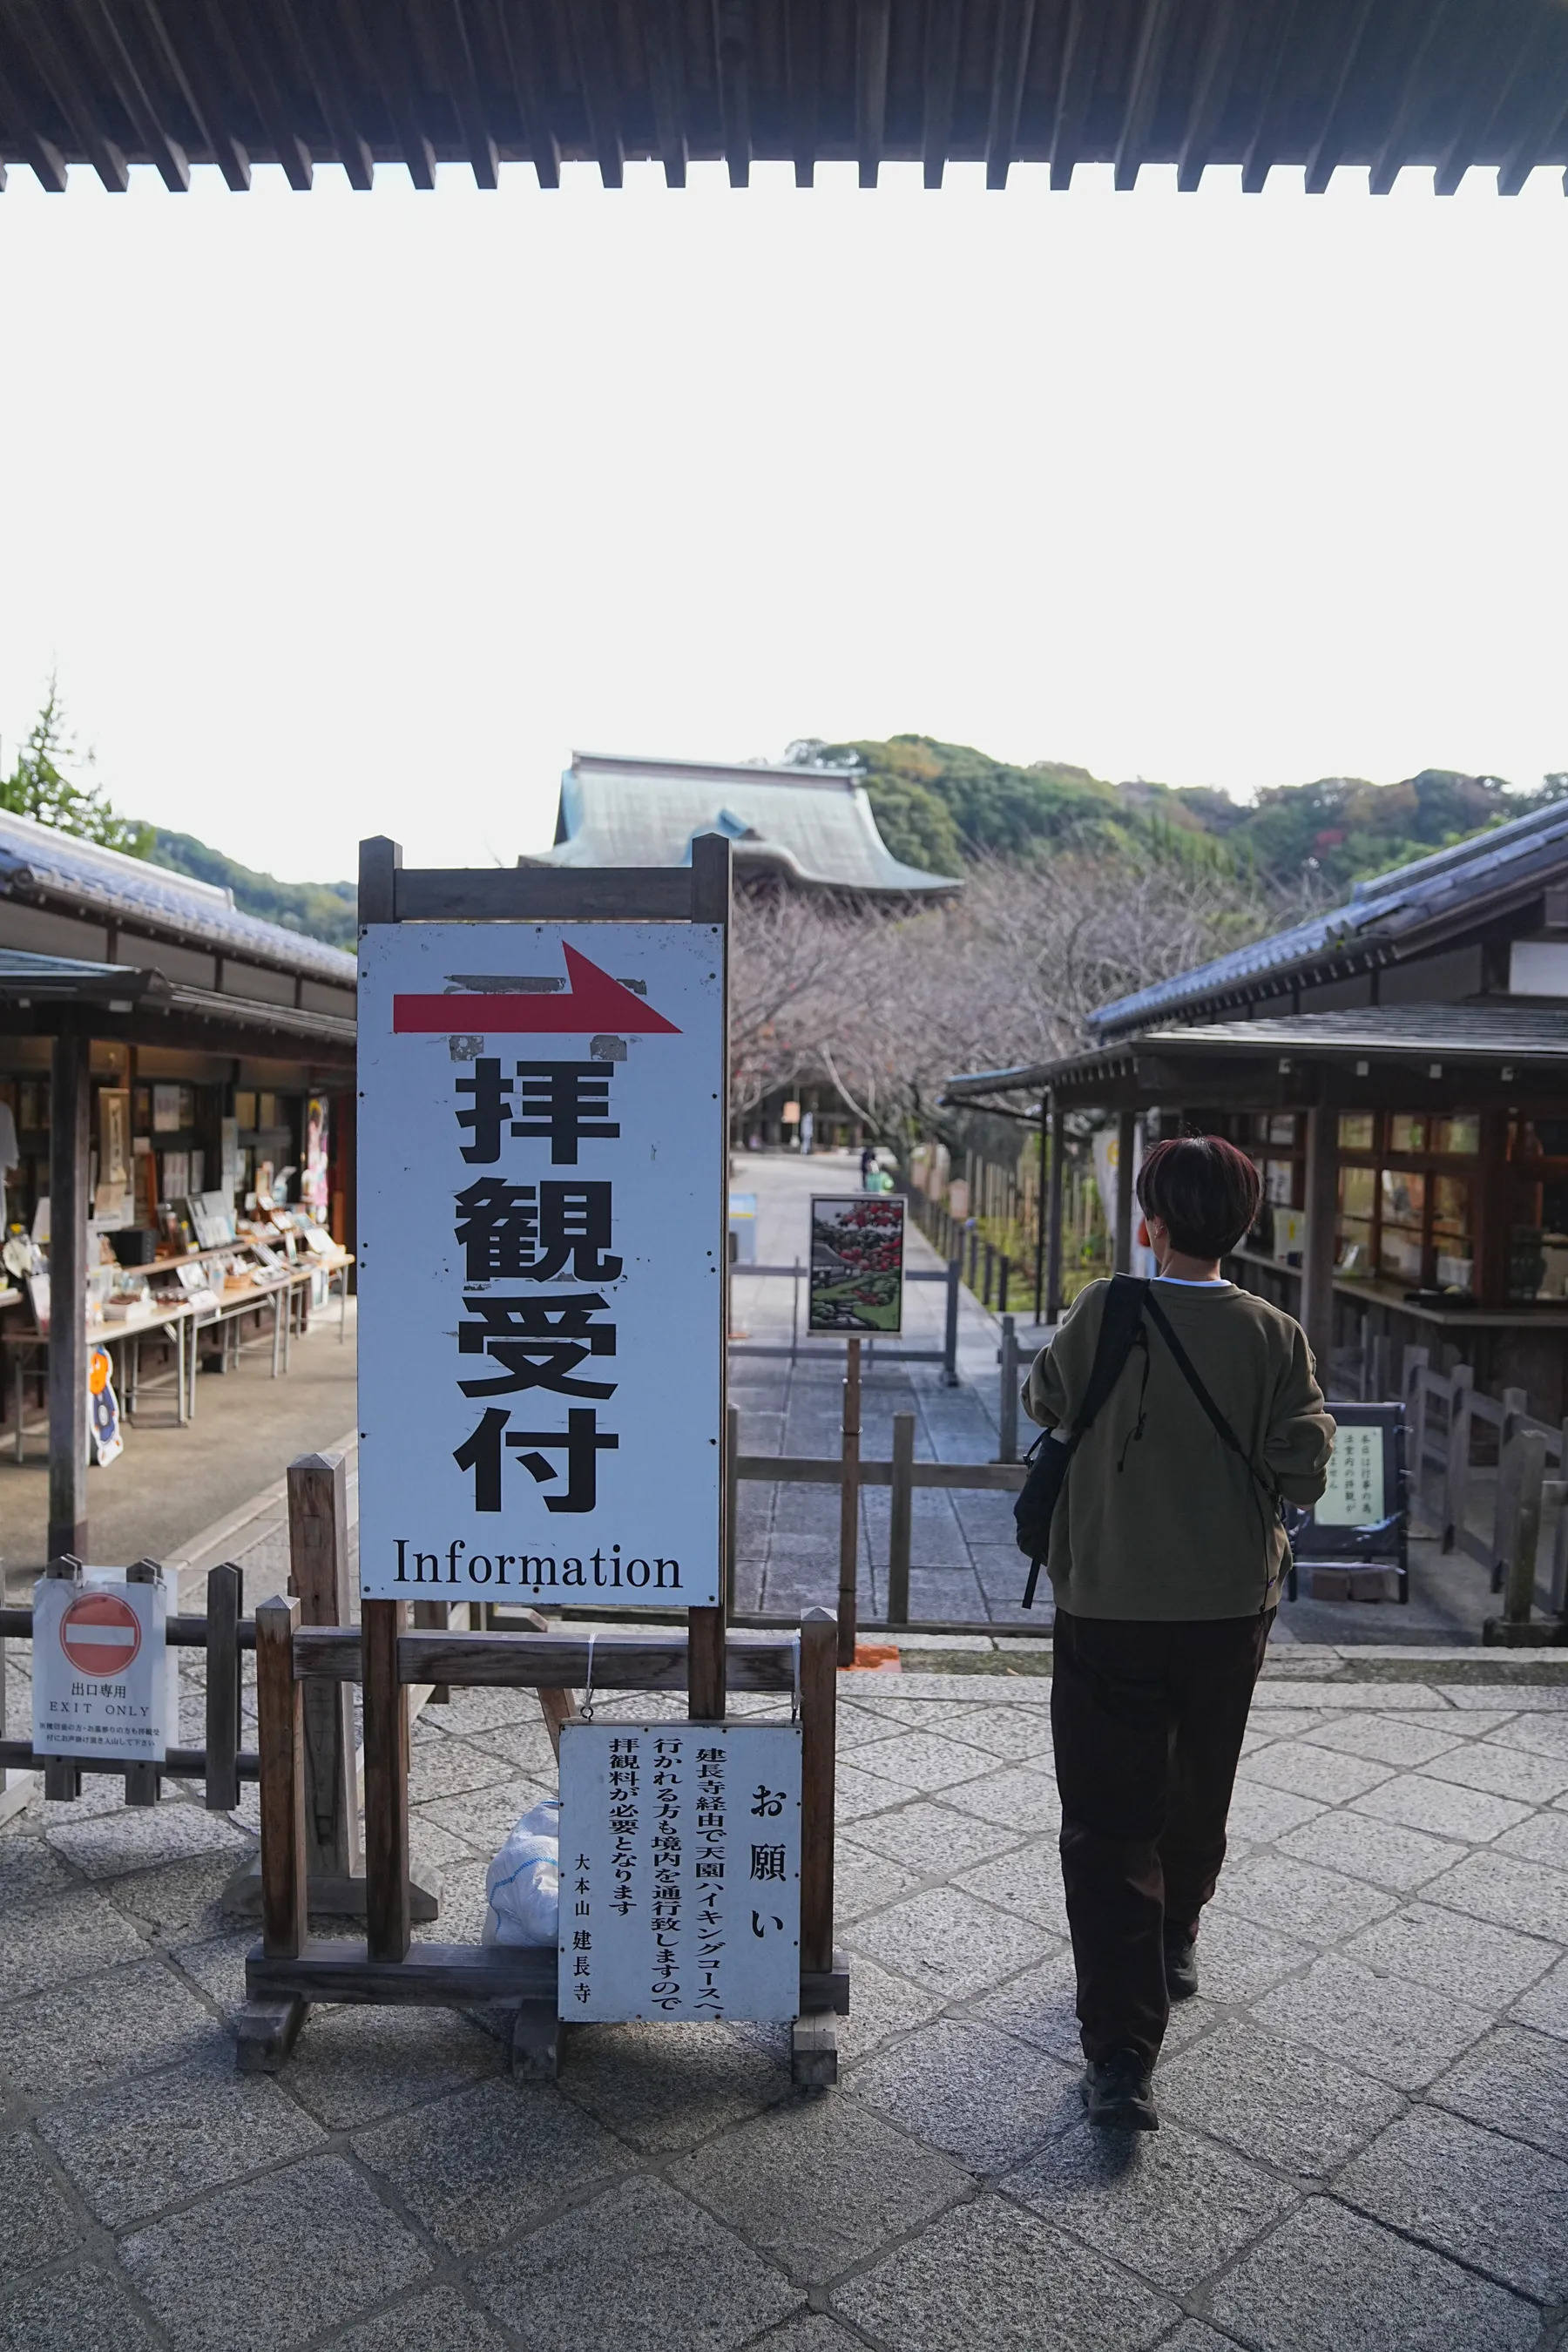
[(38, 786)]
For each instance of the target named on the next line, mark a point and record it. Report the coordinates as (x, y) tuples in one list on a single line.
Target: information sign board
[(1353, 1495), (103, 1679), (541, 1245), (679, 1870), (857, 1264)]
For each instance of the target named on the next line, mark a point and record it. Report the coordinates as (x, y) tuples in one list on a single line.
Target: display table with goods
[(270, 1265)]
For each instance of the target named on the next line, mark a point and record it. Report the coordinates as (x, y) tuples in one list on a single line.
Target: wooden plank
[(319, 1578), (143, 1781), (222, 1758), (343, 1969), (556, 1705), (756, 1661), (386, 1717), (264, 2034), (536, 2035), (818, 1705), (282, 1749), (814, 2050), (544, 894)]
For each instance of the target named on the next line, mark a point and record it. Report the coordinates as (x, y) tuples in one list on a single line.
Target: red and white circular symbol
[(99, 1634)]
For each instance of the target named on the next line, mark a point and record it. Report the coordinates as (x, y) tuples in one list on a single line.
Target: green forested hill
[(322, 910), (940, 804)]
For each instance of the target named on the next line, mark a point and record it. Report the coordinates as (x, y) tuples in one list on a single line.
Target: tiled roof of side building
[(815, 825), (1386, 912), (38, 862)]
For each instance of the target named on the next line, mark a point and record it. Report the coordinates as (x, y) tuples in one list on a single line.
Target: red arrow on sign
[(591, 1001), (100, 1634)]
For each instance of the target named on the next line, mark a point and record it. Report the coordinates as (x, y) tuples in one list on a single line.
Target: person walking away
[(808, 1129), (867, 1166), (1166, 1555)]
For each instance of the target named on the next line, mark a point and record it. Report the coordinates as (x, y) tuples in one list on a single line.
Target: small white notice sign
[(542, 1219), (1353, 1495), (101, 1678), (679, 1870)]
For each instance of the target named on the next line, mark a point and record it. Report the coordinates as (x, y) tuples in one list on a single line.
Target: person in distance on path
[(1166, 1555)]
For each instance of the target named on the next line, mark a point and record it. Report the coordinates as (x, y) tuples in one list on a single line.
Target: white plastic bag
[(523, 1882)]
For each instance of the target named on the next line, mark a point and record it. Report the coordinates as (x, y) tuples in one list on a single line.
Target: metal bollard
[(950, 1326)]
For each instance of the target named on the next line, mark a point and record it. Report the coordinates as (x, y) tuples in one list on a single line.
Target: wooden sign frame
[(287, 1969)]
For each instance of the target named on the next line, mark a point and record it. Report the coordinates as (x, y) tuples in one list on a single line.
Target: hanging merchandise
[(104, 1409)]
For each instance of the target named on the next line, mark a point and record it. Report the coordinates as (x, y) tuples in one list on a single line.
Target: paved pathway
[(1367, 2110)]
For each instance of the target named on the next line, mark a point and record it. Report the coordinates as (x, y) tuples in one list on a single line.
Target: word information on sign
[(541, 1261), (856, 1264), (1353, 1495), (679, 1870), (103, 1679)]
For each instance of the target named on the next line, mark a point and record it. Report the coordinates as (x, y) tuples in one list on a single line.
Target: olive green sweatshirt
[(1159, 1519)]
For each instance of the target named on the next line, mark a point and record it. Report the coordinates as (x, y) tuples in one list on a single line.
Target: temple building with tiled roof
[(806, 828)]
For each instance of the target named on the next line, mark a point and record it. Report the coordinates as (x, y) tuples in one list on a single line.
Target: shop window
[(1451, 1241), (1406, 1134), (1538, 1250), (1459, 1135), (1356, 1132), (1402, 1201), (1358, 1200)]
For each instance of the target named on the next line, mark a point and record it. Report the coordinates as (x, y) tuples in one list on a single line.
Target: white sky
[(345, 514)]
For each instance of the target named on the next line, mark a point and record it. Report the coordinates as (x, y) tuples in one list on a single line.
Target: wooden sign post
[(542, 1155)]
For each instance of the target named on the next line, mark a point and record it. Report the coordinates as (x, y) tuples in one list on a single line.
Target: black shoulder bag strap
[(1189, 1373), (1119, 1327)]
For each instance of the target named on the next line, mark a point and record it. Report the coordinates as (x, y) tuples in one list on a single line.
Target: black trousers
[(1148, 1722)]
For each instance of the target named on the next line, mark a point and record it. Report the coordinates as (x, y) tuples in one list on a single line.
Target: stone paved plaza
[(1365, 2141)]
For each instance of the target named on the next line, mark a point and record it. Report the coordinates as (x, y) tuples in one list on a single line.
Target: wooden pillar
[(280, 1739), (319, 1578), (818, 1699), (1053, 1212), (69, 1101), (1321, 1207), (1126, 1147), (385, 1781), (706, 1628)]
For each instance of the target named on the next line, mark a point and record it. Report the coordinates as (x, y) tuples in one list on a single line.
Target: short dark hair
[(1205, 1192)]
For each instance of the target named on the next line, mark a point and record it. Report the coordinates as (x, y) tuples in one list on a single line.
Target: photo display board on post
[(856, 1264), (540, 1245)]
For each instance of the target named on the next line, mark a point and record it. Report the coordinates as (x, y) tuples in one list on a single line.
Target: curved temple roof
[(1374, 84), (815, 825)]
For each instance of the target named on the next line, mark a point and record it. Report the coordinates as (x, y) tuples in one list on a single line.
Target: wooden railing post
[(1529, 1448), (144, 1782), (224, 1604), (386, 1705), (813, 2046), (900, 1518), (281, 1742), (1456, 1485), (319, 1578), (849, 1503)]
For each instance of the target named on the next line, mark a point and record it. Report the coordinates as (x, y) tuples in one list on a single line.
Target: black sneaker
[(1180, 1966), (1117, 2093)]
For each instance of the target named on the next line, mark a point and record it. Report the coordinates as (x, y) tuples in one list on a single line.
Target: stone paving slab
[(1363, 2143)]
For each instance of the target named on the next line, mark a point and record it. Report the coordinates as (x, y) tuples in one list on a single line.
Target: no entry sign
[(100, 1635), (102, 1679), (542, 1223)]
